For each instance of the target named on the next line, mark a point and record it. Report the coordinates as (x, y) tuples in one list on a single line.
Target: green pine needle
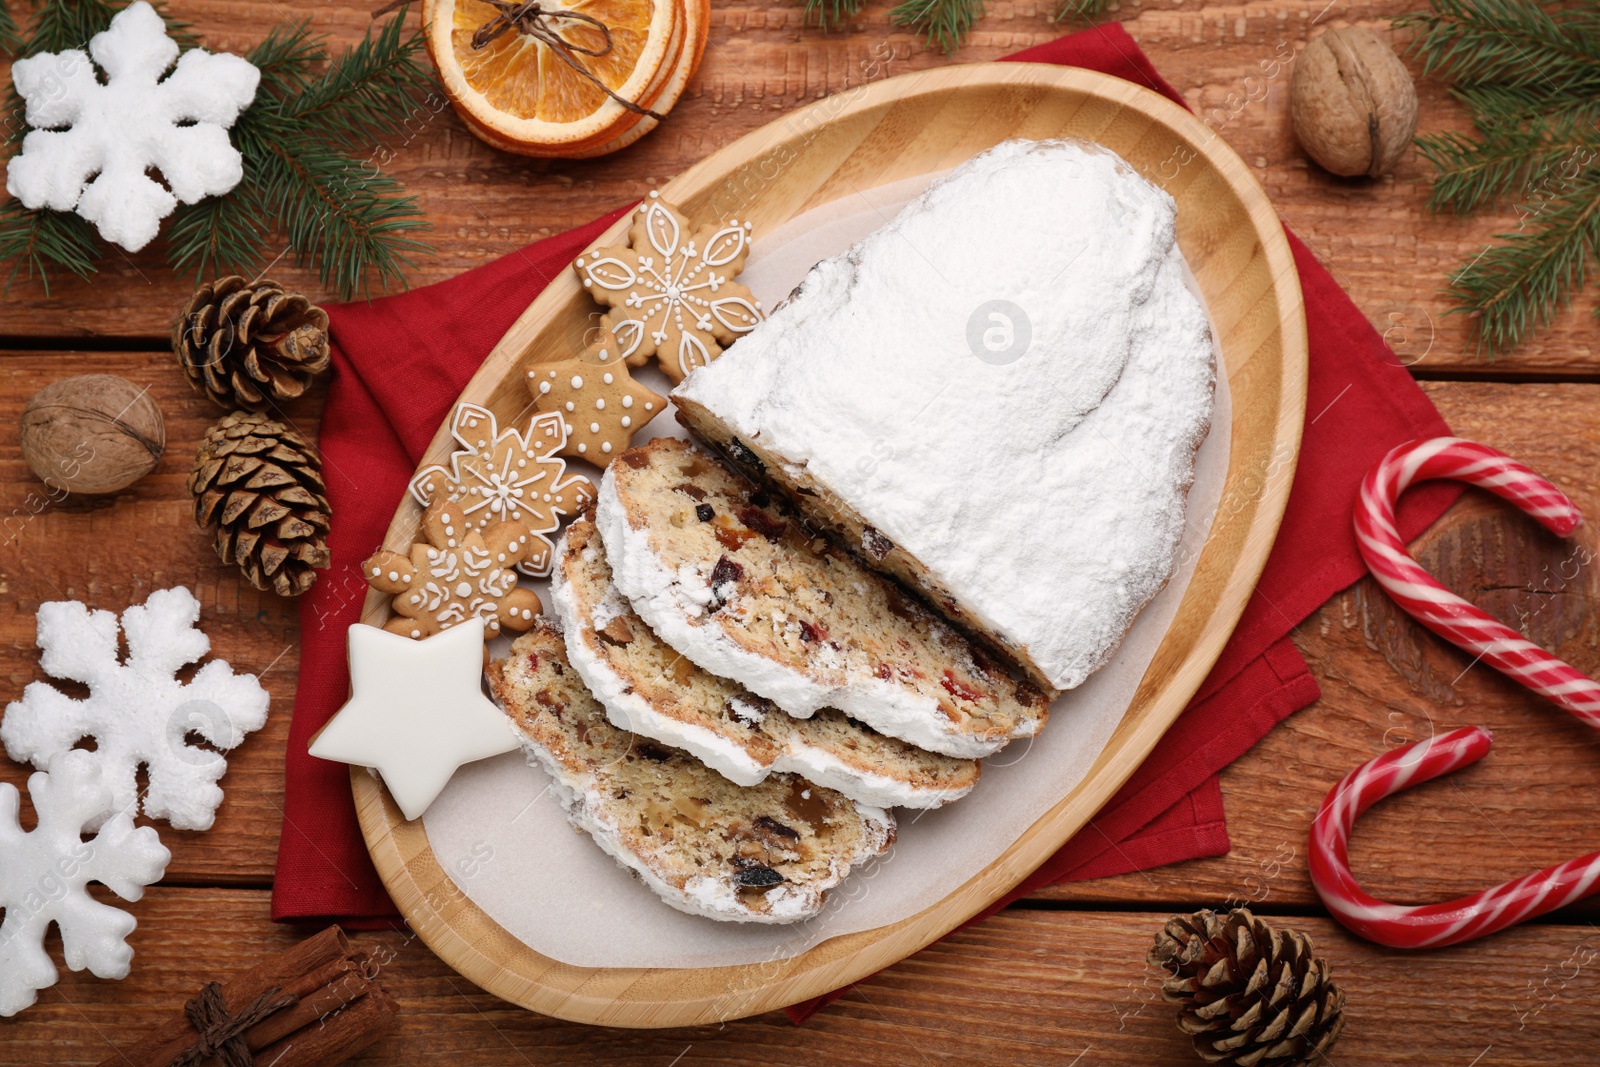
[(944, 22), (355, 98), (220, 235), (62, 24), (285, 60), (340, 214), (1080, 10), (1509, 163), (10, 40), (1512, 42), (37, 242), (1518, 286), (831, 14), (1529, 75)]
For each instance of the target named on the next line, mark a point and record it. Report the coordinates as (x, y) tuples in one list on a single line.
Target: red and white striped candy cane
[(1428, 925), (1449, 616), (1436, 607)]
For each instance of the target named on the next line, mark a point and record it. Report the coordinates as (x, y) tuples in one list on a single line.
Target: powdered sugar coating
[(1045, 493)]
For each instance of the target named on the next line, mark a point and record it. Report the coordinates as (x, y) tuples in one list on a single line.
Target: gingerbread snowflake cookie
[(506, 475), (602, 405), (672, 293), (458, 572)]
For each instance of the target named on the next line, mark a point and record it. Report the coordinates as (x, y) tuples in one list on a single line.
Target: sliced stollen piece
[(649, 688), (996, 398), (767, 853), (742, 590)]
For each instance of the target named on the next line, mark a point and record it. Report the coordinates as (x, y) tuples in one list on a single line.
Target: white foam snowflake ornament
[(43, 873), (93, 142), (137, 710)]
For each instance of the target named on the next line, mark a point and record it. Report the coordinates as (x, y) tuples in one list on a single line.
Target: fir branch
[(1518, 286), (1080, 10), (340, 214), (944, 22), (362, 95), (64, 24), (1530, 77), (831, 14), (37, 241), (1492, 104), (1512, 42), (61, 25), (285, 60), (10, 39), (220, 234), (1500, 168)]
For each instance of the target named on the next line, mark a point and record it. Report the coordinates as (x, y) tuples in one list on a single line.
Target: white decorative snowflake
[(672, 294), (137, 711), (499, 475), (43, 873), (94, 141)]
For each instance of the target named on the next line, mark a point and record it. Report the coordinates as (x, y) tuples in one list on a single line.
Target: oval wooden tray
[(898, 128)]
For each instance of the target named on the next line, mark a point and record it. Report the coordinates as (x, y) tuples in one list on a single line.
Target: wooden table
[(1059, 978)]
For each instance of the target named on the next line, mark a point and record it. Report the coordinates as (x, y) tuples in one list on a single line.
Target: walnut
[(95, 433), (1353, 104)]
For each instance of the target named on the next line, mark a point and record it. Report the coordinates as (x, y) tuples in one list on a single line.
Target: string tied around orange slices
[(531, 19)]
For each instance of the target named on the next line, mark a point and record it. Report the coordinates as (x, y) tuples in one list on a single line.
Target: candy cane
[(1436, 607), (1429, 925), (1449, 616)]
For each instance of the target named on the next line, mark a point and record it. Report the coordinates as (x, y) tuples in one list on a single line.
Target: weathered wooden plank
[(1232, 62), (1026, 987)]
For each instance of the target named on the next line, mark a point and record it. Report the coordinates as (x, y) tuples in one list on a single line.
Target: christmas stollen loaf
[(996, 398), (742, 590), (766, 853), (648, 688)]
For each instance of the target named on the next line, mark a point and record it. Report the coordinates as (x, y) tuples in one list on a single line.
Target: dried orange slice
[(514, 85), (697, 24)]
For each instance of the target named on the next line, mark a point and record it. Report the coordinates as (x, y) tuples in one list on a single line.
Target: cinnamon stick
[(342, 985), (338, 1006)]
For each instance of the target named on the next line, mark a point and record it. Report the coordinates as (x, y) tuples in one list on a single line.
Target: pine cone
[(1250, 994), (258, 488), (246, 344)]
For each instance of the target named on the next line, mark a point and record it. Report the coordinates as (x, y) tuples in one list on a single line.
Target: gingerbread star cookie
[(456, 573), (672, 293), (602, 404), (499, 475)]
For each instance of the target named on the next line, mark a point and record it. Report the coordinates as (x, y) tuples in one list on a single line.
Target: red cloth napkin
[(400, 362)]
